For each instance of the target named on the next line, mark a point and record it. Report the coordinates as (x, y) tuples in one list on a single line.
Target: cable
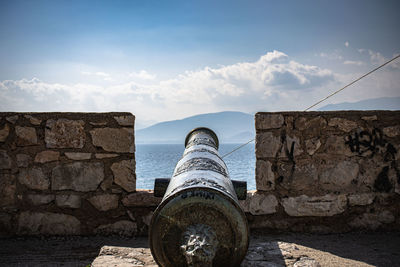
[(341, 89), (322, 100)]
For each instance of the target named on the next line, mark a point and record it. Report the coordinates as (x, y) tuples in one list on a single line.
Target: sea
[(159, 161)]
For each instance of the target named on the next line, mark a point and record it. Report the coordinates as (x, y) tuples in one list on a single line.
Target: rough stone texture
[(312, 145), (291, 148), (78, 176), (258, 203), (23, 160), (120, 228), (336, 145), (40, 199), (303, 205), (123, 257), (141, 198), (392, 131), (361, 199), (370, 118), (104, 202), (343, 124), (265, 176), (125, 120), (304, 123), (68, 201), (267, 145), (105, 155), (64, 133), (12, 119), (34, 178), (124, 174), (103, 123), (372, 220), (269, 121), (26, 136), (114, 140), (46, 223), (78, 155), (33, 120), (47, 156), (7, 189), (340, 176), (4, 133), (5, 160)]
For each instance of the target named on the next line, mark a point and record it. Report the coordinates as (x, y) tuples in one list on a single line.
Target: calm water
[(158, 161)]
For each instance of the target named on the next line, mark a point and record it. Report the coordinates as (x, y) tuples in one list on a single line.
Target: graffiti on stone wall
[(371, 143)]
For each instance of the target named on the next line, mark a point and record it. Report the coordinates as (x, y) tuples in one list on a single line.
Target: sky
[(166, 60)]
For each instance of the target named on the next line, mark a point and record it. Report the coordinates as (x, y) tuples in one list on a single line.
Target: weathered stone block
[(26, 136), (13, 119), (68, 201), (46, 223), (291, 147), (372, 221), (361, 199), (104, 202), (105, 156), (304, 123), (114, 140), (63, 133), (77, 176), (299, 177), (47, 156), (121, 228), (392, 131), (124, 174), (7, 189), (141, 198), (40, 199), (340, 176), (265, 177), (125, 120), (5, 160), (4, 133), (336, 145), (312, 145), (343, 124), (33, 120), (303, 205), (78, 155), (267, 145), (23, 160), (269, 121), (258, 203), (370, 118), (103, 123), (34, 178)]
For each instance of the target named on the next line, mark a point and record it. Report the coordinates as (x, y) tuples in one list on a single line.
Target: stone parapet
[(68, 174), (328, 171)]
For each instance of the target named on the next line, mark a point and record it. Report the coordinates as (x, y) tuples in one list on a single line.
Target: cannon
[(199, 221)]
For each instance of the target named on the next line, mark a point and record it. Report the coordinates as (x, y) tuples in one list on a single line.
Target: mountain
[(230, 127), (384, 103)]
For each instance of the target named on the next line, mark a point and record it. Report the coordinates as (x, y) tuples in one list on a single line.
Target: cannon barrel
[(199, 221)]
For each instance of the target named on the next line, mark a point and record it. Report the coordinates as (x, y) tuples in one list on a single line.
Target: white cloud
[(332, 55), (105, 76), (144, 75), (350, 62), (273, 82), (346, 44)]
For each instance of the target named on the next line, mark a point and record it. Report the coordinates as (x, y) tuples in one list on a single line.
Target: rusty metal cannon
[(199, 221)]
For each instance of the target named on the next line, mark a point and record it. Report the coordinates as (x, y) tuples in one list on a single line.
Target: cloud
[(105, 76), (346, 44), (271, 83), (332, 56), (144, 75), (350, 62)]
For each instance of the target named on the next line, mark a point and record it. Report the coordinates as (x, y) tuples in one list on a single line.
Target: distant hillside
[(385, 103), (230, 126)]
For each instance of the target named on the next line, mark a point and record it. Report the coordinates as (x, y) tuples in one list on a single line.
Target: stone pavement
[(299, 250)]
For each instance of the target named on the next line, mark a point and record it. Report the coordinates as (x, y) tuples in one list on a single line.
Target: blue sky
[(165, 60)]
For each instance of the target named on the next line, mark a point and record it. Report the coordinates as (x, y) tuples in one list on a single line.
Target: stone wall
[(68, 174), (327, 171)]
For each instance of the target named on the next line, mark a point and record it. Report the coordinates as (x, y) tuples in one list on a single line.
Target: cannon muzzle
[(199, 221)]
